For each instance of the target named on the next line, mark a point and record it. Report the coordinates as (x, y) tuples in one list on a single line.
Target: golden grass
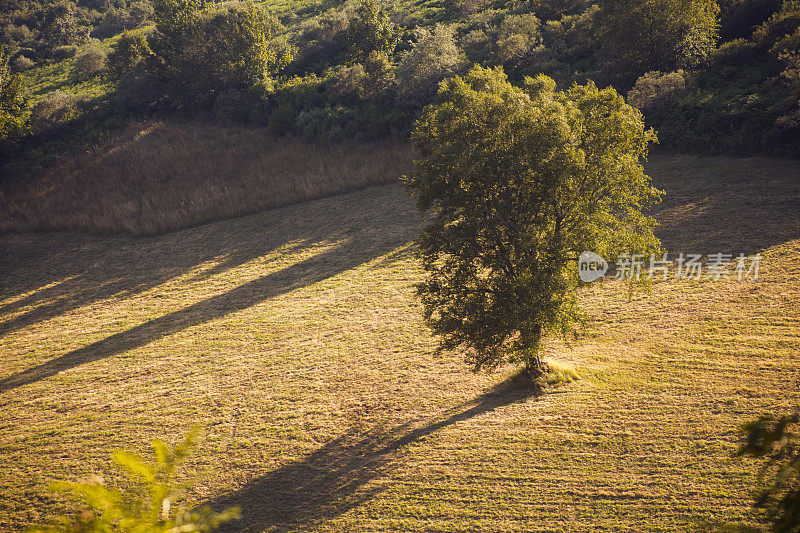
[(156, 177), (294, 336)]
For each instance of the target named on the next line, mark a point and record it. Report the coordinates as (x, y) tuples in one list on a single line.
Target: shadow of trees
[(363, 232), (338, 476)]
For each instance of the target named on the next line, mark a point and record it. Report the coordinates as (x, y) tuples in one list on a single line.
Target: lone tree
[(516, 182)]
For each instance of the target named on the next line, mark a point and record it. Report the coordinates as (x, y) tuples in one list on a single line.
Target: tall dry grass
[(156, 177)]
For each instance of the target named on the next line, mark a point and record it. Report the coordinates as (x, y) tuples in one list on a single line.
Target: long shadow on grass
[(362, 237), (64, 272), (339, 476)]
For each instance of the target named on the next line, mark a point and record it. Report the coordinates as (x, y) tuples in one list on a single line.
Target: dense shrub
[(738, 18), (118, 20), (780, 25), (634, 36), (12, 33), (737, 52), (53, 111), (338, 123), (200, 53), (434, 57), (557, 9), (517, 36), (370, 30), (21, 64), (30, 53), (295, 95), (12, 103), (126, 53), (349, 84), (138, 91), (320, 41), (656, 89), (91, 60), (63, 24)]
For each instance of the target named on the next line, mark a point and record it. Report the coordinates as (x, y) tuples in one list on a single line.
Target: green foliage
[(780, 26), (517, 37), (657, 90), (117, 19), (738, 18), (776, 439), (145, 502), (12, 103), (637, 36), (126, 53), (321, 42), (63, 24), (21, 64), (55, 110), (65, 52), (203, 53), (91, 60), (435, 56), (370, 30), (517, 182)]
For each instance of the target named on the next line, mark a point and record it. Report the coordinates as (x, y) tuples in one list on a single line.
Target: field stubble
[(294, 337)]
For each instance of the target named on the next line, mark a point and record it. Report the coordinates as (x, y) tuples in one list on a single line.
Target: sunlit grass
[(294, 336)]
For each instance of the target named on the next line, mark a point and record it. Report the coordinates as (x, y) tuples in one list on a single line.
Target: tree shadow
[(358, 243), (58, 273), (338, 476)]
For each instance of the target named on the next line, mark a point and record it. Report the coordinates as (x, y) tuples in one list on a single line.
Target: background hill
[(709, 76)]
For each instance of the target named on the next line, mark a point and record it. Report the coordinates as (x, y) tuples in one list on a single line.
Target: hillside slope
[(294, 337)]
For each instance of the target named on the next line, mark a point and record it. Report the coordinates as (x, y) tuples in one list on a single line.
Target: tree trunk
[(531, 346)]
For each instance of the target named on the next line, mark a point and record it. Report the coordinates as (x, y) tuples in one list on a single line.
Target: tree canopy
[(634, 36), (516, 183)]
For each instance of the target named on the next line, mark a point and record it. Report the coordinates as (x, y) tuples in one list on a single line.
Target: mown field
[(293, 336)]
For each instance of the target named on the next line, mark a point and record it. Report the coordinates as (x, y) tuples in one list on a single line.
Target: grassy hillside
[(293, 335), (153, 177)]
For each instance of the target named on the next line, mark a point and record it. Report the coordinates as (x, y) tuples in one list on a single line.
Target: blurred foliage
[(146, 501), (776, 440)]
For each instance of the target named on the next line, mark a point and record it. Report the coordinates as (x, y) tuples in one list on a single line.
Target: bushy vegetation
[(434, 57), (775, 440), (49, 29), (518, 182), (709, 76), (147, 501)]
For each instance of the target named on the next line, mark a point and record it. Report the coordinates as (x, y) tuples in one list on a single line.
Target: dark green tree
[(515, 183), (638, 36), (370, 30), (202, 53), (12, 102), (63, 25), (126, 53)]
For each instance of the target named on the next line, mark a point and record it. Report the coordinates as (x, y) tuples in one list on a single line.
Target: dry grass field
[(154, 177), (294, 338)]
